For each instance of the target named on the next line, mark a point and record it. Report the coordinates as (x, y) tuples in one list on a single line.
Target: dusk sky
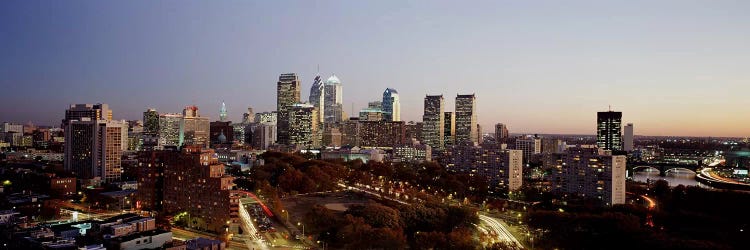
[(671, 67)]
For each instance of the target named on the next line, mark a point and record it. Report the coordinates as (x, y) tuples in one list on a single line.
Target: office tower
[(414, 131), (94, 112), (449, 135), (317, 96), (195, 183), (433, 121), (221, 134), (466, 119), (248, 117), (11, 128), (334, 100), (552, 146), (303, 126), (223, 112), (529, 145), (287, 94), (194, 128), (169, 130), (381, 134), (609, 130), (391, 105), (501, 133), (350, 132), (262, 135), (370, 114), (332, 137), (480, 136), (93, 149), (591, 173), (150, 135), (501, 168), (266, 117), (627, 142), (375, 105)]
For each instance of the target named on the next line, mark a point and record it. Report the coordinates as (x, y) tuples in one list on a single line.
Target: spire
[(223, 112)]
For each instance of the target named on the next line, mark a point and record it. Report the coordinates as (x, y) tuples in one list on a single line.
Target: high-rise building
[(223, 112), (304, 126), (248, 117), (169, 130), (317, 96), (262, 135), (381, 134), (11, 128), (287, 94), (195, 183), (501, 133), (609, 130), (150, 136), (529, 145), (94, 112), (93, 149), (627, 142), (334, 100), (449, 135), (194, 129), (371, 114), (332, 137), (501, 168), (414, 131), (266, 117), (591, 173), (466, 119), (553, 146), (480, 136), (433, 121), (391, 105)]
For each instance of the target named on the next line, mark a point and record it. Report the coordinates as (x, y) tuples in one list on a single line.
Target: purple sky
[(672, 67)]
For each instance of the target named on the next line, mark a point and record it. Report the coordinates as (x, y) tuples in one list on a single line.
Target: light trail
[(502, 233), (247, 225)]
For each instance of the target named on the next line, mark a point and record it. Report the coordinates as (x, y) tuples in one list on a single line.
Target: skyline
[(676, 70)]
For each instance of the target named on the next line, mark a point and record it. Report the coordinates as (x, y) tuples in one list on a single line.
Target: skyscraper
[(169, 130), (194, 129), (466, 119), (317, 96), (223, 112), (93, 149), (391, 105), (334, 100), (501, 133), (151, 122), (449, 135), (248, 117), (287, 94), (591, 173), (627, 143), (609, 130), (433, 121), (304, 126), (94, 112)]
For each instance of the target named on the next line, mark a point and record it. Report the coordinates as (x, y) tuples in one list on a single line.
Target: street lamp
[(303, 228)]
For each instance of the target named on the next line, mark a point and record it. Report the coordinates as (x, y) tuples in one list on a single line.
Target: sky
[(672, 67)]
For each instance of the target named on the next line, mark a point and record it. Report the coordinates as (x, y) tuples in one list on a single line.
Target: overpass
[(665, 168)]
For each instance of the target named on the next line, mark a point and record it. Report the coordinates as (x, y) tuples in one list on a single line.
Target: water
[(674, 177)]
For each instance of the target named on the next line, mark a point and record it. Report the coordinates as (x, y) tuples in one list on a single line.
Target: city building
[(317, 96), (197, 189), (304, 126), (381, 134), (466, 119), (334, 100), (7, 127), (332, 137), (414, 131), (593, 173), (221, 134), (529, 145), (94, 112), (249, 116), (169, 130), (266, 117), (287, 94), (350, 154), (262, 135), (449, 134), (371, 114), (414, 153), (433, 121), (150, 135), (501, 133), (553, 146), (501, 168), (194, 129), (93, 149), (609, 130), (627, 139), (391, 105)]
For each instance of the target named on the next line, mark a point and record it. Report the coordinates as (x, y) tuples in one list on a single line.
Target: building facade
[(591, 173), (194, 129), (466, 119), (287, 94), (304, 126), (317, 97), (93, 149), (627, 139), (433, 122), (609, 130), (334, 100), (391, 105)]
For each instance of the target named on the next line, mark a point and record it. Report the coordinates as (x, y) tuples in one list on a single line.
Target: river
[(674, 177)]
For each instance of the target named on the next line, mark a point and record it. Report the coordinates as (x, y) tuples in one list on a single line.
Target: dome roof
[(333, 80), (222, 138)]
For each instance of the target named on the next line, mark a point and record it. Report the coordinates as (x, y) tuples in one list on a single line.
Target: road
[(502, 233), (254, 241)]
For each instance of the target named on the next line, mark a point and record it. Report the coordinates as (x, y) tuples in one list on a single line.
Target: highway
[(246, 222), (502, 233)]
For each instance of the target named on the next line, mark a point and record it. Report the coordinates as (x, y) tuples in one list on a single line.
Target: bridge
[(664, 169)]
